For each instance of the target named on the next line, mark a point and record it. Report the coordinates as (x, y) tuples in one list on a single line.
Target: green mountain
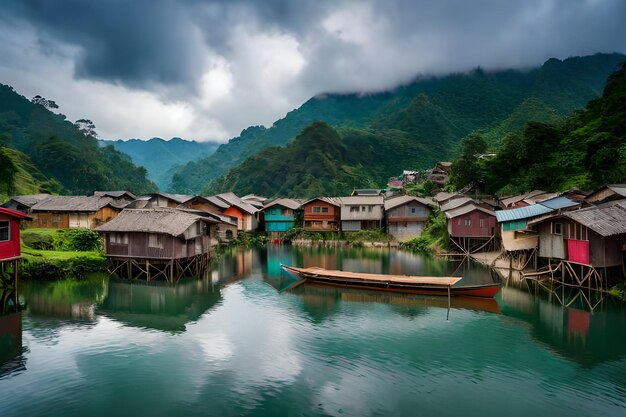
[(586, 150), (435, 113), (161, 157), (63, 151), (19, 176)]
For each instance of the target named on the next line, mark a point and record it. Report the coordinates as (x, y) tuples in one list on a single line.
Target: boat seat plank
[(401, 279)]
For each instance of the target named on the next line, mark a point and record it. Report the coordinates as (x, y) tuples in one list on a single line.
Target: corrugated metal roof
[(618, 189), (606, 220), (159, 220), (457, 202), (367, 191), (522, 213), (399, 201), (284, 202), (559, 203), (76, 203), (451, 214)]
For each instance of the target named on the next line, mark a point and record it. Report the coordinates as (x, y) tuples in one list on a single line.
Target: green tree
[(468, 167)]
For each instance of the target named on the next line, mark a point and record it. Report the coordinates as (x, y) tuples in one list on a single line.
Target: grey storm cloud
[(241, 62)]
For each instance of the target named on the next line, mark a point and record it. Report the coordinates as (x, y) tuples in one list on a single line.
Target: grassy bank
[(51, 254)]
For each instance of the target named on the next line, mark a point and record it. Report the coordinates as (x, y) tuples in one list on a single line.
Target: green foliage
[(56, 269), (77, 240), (249, 240), (36, 240), (585, 150), (468, 167), (412, 127), (434, 237), (162, 158), (63, 157), (367, 236)]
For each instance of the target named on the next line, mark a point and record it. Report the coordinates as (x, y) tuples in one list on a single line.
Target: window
[(155, 241), (413, 210), (558, 228), (482, 223), (324, 209), (353, 209), (198, 228), (468, 222), (362, 208), (316, 209), (5, 231), (119, 238)]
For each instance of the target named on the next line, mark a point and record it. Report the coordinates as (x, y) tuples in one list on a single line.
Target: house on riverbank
[(407, 216), (159, 242), (65, 212), (279, 215), (322, 214), (244, 213), (472, 228), (10, 254), (362, 213), (25, 203)]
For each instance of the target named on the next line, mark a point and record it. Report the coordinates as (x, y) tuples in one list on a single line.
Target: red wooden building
[(472, 228), (322, 214), (10, 233)]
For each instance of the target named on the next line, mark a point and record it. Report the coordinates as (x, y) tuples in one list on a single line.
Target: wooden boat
[(398, 283)]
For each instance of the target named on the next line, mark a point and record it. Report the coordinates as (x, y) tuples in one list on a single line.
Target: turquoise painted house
[(279, 215)]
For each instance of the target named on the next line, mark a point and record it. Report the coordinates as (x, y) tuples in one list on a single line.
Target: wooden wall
[(457, 226)]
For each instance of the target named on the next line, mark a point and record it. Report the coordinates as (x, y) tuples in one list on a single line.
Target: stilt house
[(157, 242), (279, 215), (472, 228)]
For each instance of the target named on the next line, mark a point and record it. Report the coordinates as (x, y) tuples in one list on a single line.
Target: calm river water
[(234, 343)]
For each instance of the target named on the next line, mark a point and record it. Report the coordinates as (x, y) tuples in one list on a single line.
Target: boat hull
[(482, 291)]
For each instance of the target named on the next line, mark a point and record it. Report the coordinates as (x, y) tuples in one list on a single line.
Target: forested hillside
[(61, 151), (585, 150), (160, 157), (430, 115)]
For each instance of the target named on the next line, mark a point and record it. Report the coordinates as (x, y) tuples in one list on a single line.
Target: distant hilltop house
[(410, 176), (439, 174)]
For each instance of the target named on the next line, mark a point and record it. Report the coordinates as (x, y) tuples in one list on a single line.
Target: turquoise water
[(235, 343)]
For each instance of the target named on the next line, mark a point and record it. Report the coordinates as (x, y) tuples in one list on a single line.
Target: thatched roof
[(30, 200), (62, 203), (157, 220)]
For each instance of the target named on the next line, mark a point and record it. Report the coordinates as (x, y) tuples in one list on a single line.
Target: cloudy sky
[(205, 70)]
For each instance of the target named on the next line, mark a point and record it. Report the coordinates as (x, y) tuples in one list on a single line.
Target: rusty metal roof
[(606, 220)]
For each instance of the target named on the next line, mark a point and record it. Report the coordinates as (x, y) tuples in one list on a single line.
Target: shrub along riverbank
[(51, 254)]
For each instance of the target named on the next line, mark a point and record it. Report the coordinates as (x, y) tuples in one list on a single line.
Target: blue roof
[(522, 213), (558, 203)]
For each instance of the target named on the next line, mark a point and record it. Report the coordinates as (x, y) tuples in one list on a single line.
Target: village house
[(279, 215), (521, 200), (516, 234), (207, 204), (244, 212), (407, 216), (594, 236), (607, 193), (322, 214), (472, 228), (150, 243), (439, 174), (154, 200), (24, 203), (366, 192), (64, 212), (362, 213), (119, 196)]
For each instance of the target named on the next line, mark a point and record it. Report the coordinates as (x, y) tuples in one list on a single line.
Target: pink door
[(578, 251)]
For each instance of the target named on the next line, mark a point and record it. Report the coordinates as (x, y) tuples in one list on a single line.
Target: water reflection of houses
[(160, 307), (575, 333), (64, 299), (11, 358)]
